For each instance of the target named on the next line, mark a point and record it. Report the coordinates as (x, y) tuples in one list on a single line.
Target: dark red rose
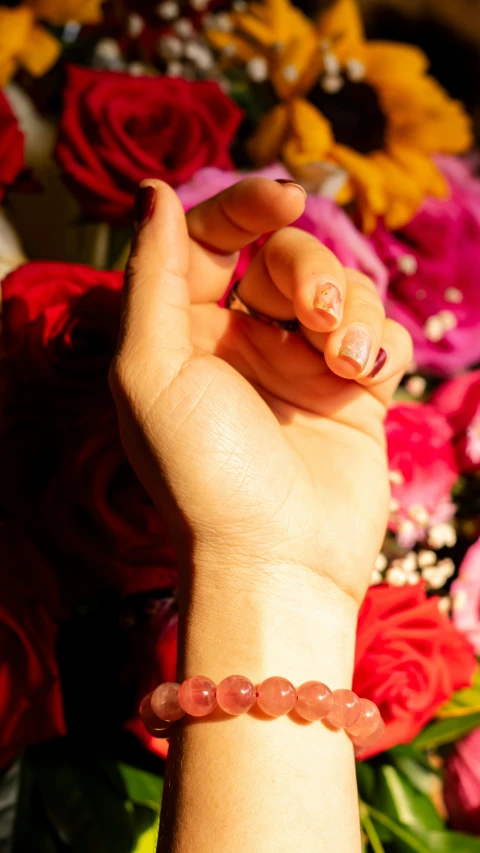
[(30, 696), (11, 146), (60, 325), (410, 658), (98, 515), (69, 482), (117, 129)]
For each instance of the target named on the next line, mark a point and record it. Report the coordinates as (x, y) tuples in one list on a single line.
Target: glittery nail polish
[(356, 347), (327, 301)]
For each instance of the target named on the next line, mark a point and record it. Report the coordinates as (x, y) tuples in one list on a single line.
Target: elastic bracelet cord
[(199, 696)]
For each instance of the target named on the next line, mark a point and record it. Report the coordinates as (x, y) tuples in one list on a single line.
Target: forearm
[(245, 782)]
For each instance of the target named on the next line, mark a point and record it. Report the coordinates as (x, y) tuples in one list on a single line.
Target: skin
[(266, 451)]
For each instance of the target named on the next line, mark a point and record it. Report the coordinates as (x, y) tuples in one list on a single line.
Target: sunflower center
[(354, 112)]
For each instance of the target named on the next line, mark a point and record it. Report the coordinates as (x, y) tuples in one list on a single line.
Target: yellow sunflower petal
[(367, 180), (404, 195), (422, 169), (389, 61), (61, 11), (297, 66), (22, 42), (8, 66), (309, 136), (341, 24), (39, 52), (266, 143)]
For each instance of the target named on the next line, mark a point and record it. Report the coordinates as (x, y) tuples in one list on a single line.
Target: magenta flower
[(459, 401), (322, 218), (462, 784), (466, 597), (433, 265), (422, 470)]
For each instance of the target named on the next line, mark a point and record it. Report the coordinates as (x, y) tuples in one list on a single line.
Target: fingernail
[(379, 362), (327, 301), (287, 181), (144, 203), (356, 347)]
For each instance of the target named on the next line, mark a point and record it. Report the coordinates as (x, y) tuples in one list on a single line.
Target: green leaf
[(87, 811), (463, 702), (409, 838), (446, 731), (415, 767), (141, 787), (395, 796), (452, 842), (365, 780), (147, 841)]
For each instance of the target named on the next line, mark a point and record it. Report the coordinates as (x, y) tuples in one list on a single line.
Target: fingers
[(231, 220), (293, 275), (351, 349), (155, 325)]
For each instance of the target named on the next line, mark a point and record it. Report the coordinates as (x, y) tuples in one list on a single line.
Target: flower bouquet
[(200, 93)]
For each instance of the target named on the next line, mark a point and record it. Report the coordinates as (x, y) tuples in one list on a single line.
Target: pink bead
[(276, 696), (367, 722), (361, 744), (165, 703), (197, 696), (236, 694), (345, 709), (154, 726), (314, 700)]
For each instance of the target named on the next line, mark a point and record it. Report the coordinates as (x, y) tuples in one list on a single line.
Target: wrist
[(275, 620)]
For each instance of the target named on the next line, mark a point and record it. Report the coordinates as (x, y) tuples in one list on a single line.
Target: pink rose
[(433, 263), (459, 401), (422, 470), (466, 597), (322, 218), (462, 784)]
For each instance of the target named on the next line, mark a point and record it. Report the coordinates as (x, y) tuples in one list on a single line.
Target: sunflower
[(24, 43), (367, 108)]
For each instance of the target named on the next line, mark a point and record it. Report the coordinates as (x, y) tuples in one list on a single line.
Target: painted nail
[(144, 203), (288, 182), (379, 362), (327, 301), (356, 347)]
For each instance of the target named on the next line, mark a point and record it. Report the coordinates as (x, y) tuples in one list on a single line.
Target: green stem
[(372, 834), (405, 835)]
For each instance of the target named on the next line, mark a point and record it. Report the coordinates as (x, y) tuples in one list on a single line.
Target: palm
[(267, 457)]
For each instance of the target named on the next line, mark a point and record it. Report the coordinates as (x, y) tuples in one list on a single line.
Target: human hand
[(265, 448)]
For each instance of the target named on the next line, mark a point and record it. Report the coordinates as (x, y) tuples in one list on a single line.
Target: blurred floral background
[(374, 108)]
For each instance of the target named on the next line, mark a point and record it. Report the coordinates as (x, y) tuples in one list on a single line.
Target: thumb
[(155, 336)]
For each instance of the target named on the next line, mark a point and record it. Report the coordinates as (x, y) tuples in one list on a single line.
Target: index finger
[(227, 222)]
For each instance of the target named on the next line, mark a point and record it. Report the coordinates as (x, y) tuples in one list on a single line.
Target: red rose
[(11, 146), (98, 516), (117, 129), (31, 701), (69, 482), (60, 325), (410, 658)]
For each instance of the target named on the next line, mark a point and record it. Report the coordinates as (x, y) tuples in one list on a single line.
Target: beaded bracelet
[(276, 696)]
